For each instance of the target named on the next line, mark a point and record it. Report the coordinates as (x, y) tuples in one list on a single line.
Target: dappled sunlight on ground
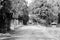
[(35, 32)]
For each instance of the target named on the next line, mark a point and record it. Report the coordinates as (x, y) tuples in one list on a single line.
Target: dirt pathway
[(32, 33)]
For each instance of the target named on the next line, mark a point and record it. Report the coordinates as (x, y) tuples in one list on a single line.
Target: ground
[(36, 32)]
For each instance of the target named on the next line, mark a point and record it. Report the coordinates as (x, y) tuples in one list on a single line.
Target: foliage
[(43, 10), (18, 6), (5, 16)]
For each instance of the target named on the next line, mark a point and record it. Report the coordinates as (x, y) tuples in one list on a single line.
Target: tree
[(43, 11), (5, 16), (20, 11)]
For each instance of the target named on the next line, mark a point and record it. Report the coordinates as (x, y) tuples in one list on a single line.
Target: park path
[(31, 33)]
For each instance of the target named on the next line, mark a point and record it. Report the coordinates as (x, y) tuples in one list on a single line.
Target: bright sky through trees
[(29, 1)]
